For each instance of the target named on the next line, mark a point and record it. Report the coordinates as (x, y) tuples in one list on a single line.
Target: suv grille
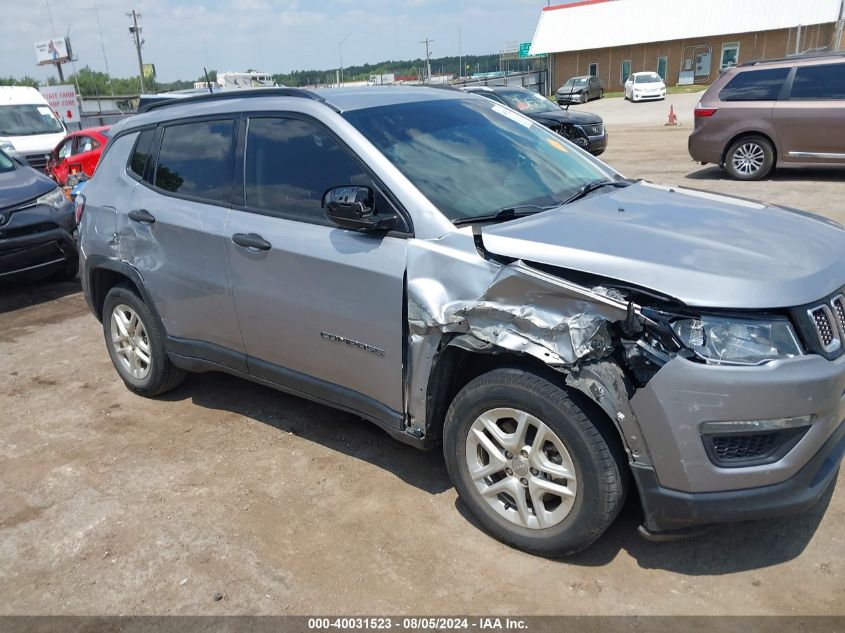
[(825, 323), (839, 311)]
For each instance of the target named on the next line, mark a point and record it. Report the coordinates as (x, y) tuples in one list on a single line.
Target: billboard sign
[(62, 100), (53, 51)]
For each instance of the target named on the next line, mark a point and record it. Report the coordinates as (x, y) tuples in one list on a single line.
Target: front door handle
[(142, 215), (252, 241)]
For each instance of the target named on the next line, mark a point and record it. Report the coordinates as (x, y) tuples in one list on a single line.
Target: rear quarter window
[(141, 152), (825, 82), (755, 85)]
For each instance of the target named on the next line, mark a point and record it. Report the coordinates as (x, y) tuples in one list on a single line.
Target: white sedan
[(643, 86)]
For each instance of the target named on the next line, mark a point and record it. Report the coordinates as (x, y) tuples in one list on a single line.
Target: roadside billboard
[(62, 100), (53, 51)]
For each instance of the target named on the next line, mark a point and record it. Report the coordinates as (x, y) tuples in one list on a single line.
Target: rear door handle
[(142, 215), (252, 241)]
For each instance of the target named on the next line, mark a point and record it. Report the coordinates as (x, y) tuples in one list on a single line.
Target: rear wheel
[(531, 466), (750, 158), (135, 342)]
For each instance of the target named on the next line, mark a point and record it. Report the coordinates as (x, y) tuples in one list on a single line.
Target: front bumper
[(665, 509), (672, 406), (648, 96), (35, 239)]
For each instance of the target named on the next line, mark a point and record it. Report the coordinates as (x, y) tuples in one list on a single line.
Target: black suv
[(584, 129)]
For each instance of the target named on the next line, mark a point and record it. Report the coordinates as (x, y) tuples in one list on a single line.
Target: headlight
[(738, 341), (6, 146), (56, 199)]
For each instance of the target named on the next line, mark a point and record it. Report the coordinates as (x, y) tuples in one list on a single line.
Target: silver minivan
[(454, 272)]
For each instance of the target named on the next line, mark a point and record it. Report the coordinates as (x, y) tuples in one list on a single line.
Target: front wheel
[(531, 465), (750, 158)]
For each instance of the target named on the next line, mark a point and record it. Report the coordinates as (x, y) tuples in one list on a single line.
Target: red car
[(78, 152)]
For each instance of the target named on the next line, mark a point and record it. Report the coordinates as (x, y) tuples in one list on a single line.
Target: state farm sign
[(63, 101)]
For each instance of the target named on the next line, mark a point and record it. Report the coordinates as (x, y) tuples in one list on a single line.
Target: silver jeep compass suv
[(462, 276)]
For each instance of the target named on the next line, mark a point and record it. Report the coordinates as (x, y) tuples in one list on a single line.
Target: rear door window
[(755, 85), (196, 160), (825, 83)]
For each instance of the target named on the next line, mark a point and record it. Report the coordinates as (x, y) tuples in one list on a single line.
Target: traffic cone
[(673, 118)]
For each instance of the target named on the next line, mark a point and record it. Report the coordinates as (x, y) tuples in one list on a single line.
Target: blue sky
[(273, 35)]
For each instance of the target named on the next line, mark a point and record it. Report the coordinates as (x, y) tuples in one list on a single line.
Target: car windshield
[(650, 78), (27, 120), (528, 102), (6, 163), (472, 157), (575, 82)]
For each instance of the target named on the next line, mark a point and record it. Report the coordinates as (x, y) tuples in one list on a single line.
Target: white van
[(28, 125)]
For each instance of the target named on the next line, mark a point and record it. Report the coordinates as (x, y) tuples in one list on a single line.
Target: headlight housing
[(738, 340), (6, 146), (55, 199)]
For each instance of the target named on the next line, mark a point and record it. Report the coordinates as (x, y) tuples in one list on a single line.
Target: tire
[(148, 378), (750, 158), (566, 523)]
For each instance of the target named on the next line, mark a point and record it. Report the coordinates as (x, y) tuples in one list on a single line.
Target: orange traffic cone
[(673, 118)]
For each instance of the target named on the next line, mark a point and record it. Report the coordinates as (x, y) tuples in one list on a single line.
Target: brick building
[(684, 41)]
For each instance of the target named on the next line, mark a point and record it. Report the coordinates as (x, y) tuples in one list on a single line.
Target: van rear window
[(755, 85)]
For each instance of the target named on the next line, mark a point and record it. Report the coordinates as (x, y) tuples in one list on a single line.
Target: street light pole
[(340, 54)]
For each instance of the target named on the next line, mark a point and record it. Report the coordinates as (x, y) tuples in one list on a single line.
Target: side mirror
[(353, 207)]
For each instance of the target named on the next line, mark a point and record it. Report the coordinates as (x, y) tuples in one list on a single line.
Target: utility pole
[(135, 31), (840, 26), (460, 56), (427, 41)]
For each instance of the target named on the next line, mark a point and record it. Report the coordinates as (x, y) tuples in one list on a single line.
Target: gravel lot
[(113, 504)]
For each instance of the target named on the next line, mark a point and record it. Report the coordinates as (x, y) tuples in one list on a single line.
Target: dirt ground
[(113, 504)]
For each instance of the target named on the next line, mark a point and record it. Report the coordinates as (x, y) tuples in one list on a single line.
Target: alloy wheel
[(130, 341), (521, 468), (748, 158)]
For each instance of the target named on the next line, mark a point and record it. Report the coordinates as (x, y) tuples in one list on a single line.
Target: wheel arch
[(102, 274), (747, 133), (454, 368)]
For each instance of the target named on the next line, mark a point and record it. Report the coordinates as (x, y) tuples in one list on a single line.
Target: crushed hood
[(703, 249)]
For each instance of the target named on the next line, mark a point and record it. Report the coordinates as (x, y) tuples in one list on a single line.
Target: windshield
[(27, 120), (528, 102), (575, 82), (651, 78), (471, 157), (6, 163)]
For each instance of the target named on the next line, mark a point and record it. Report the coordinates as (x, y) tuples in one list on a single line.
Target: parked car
[(441, 266), (580, 90), (784, 112), (584, 129), (77, 153), (645, 86), (28, 125), (36, 224)]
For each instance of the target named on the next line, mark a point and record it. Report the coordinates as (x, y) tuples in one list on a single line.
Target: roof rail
[(813, 55), (235, 94)]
